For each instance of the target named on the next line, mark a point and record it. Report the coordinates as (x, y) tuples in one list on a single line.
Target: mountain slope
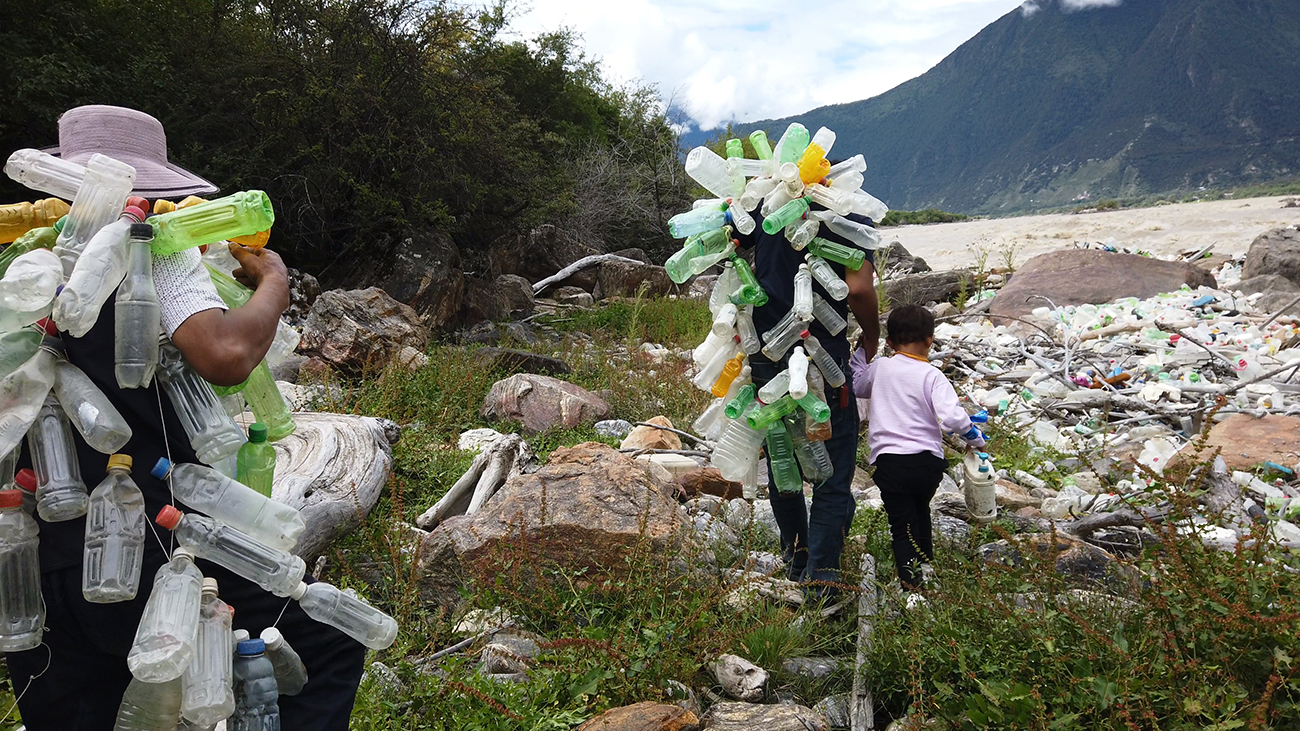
[(1042, 108)]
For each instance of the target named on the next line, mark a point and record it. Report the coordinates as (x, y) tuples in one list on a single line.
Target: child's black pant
[(907, 482)]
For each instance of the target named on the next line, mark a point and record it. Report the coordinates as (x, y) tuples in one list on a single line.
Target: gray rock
[(1266, 283), (613, 428), (951, 504), (739, 678), (765, 527), (728, 716), (303, 291), (835, 709), (541, 403), (575, 296), (384, 678), (362, 328), (412, 359), (1274, 252), (625, 279), (817, 668), (287, 370), (703, 505), (519, 361), (424, 272), (497, 659), (507, 297), (701, 287), (951, 532), (898, 259), (765, 563), (484, 333), (683, 697), (520, 332), (538, 254), (920, 289), (737, 513)]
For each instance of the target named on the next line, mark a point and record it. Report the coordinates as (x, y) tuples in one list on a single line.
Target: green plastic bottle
[(850, 257), (750, 292), (785, 215), (744, 397), (37, 238), (256, 461), (760, 419), (785, 467), (702, 248), (763, 149), (242, 214), (735, 148)]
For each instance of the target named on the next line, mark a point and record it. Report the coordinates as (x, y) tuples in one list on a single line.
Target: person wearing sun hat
[(76, 679)]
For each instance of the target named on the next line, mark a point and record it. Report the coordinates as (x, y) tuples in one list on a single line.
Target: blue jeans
[(813, 541)]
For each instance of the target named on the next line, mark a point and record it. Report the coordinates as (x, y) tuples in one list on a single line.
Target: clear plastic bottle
[(761, 418), (723, 287), (698, 221), (99, 201), (256, 461), (838, 201), (710, 419), (749, 340), (213, 434), (37, 238), (268, 405), (826, 276), (22, 609), (8, 464), (737, 448), (256, 693), (44, 172), (830, 370), (284, 345), (775, 388), (115, 532), (241, 214), (705, 351), (149, 706), (740, 218), (785, 215), (708, 375), (31, 281), (857, 164), (803, 294), (817, 425), (25, 480), (858, 233), (827, 316), (783, 336), (270, 568), (780, 452), (23, 392), (709, 170), (756, 190), (61, 494), (89, 410), (801, 233), (95, 275), (136, 314), (778, 198), (814, 460), (347, 613), (18, 347), (13, 320), (725, 321), (207, 695), (164, 640), (203, 488), (290, 672), (797, 367), (869, 206)]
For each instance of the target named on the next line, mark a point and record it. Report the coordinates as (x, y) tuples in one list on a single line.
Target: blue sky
[(757, 59)]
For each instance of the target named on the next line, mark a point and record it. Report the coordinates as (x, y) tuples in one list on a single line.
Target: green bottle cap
[(58, 225), (257, 432)]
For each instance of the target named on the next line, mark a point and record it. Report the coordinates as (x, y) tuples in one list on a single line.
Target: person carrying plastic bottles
[(75, 681), (812, 540), (912, 405)]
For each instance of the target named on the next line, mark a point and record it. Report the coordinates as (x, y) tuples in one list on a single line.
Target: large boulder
[(1246, 441), (646, 716), (542, 402), (897, 259), (729, 716), (1076, 560), (355, 329), (648, 437), (1274, 252), (519, 361), (425, 273), (1092, 276), (1266, 283), (585, 510), (920, 289), (538, 254), (507, 297), (625, 279)]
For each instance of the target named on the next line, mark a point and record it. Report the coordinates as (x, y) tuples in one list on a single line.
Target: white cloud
[(1029, 8), (1069, 5), (755, 59)]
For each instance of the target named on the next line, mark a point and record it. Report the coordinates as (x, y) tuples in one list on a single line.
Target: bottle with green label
[(256, 461)]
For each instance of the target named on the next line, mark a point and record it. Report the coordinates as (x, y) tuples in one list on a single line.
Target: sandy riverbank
[(1160, 230)]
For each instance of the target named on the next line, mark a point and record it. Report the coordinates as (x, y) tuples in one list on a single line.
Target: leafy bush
[(929, 215)]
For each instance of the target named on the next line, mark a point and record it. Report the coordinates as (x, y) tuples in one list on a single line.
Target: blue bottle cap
[(160, 468), (251, 647)]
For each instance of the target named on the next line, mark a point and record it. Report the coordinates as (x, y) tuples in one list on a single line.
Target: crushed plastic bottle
[(256, 695), (290, 672), (136, 314), (344, 611), (203, 488), (37, 238), (99, 201), (164, 641), (23, 392), (270, 568), (89, 410), (207, 695), (813, 458), (61, 493), (22, 609), (98, 271), (115, 534), (737, 448), (31, 281)]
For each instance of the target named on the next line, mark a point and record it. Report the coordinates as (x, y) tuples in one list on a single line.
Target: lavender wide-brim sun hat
[(132, 137)]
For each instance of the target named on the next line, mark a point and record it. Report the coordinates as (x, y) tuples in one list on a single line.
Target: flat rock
[(519, 361), (1247, 441), (1014, 497), (920, 289), (1274, 252), (1092, 276), (361, 328), (709, 481), (1266, 283), (1073, 558), (728, 716), (541, 403), (646, 716), (647, 437)]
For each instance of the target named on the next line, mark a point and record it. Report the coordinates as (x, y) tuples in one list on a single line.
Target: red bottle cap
[(26, 479), (138, 202), (169, 517), (11, 498), (135, 212), (48, 326), (804, 335)]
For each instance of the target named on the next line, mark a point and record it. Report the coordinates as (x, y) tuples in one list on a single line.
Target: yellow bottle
[(17, 219), (252, 241), (729, 373), (813, 166)]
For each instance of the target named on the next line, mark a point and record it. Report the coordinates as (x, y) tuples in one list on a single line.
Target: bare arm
[(224, 346), (862, 300)]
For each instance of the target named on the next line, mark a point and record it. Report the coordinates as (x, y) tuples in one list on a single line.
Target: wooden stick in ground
[(862, 712)]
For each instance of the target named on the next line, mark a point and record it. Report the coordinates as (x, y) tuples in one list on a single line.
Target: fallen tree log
[(575, 267)]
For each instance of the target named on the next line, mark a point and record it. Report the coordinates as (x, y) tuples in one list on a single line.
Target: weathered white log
[(504, 454), (332, 469), (457, 499), (501, 458), (577, 266), (740, 678), (862, 709)]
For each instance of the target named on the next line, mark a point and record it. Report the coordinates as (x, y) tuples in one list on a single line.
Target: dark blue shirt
[(775, 264)]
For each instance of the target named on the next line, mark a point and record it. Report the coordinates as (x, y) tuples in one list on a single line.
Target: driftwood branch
[(500, 460), (861, 707), (577, 266)]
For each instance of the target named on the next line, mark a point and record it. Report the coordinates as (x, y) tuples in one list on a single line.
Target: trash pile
[(1090, 384), (55, 277), (789, 414)]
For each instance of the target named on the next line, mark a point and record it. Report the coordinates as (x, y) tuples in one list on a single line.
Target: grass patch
[(912, 218)]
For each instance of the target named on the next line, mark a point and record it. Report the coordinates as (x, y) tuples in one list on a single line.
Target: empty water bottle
[(827, 278), (18, 347), (713, 343), (737, 449), (240, 214), (814, 459), (792, 143), (780, 455), (270, 568), (45, 172), (785, 215), (711, 419), (750, 292), (149, 706), (268, 405), (740, 218), (695, 222), (780, 196), (798, 369), (857, 164), (723, 287), (725, 320), (858, 233), (96, 273), (114, 547), (708, 375), (203, 488), (164, 640), (61, 493), (136, 314), (749, 340), (827, 316), (213, 434), (89, 410), (256, 693), (22, 610), (830, 370), (836, 200), (817, 427), (783, 336), (256, 460), (709, 170), (23, 392), (756, 190), (31, 281), (868, 205), (741, 401), (344, 611), (762, 418), (801, 233), (207, 695), (803, 294), (290, 672), (775, 388), (99, 201)]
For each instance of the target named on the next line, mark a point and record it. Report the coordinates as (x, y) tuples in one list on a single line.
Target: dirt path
[(1160, 230)]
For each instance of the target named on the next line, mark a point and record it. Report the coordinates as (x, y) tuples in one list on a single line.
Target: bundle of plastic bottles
[(789, 413), (63, 265)]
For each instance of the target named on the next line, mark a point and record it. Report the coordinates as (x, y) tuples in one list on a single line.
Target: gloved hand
[(974, 437)]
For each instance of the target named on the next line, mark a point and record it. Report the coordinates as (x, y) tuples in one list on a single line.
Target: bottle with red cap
[(23, 392), (203, 488), (270, 568), (115, 532), (22, 612), (207, 695), (136, 314), (96, 274), (164, 639), (26, 481), (99, 201), (61, 493)]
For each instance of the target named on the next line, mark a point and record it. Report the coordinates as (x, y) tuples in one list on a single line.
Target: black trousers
[(86, 646), (907, 483)]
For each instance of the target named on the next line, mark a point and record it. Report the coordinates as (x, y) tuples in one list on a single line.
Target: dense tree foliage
[(361, 118)]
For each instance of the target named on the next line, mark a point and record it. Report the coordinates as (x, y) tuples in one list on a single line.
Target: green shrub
[(929, 215)]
